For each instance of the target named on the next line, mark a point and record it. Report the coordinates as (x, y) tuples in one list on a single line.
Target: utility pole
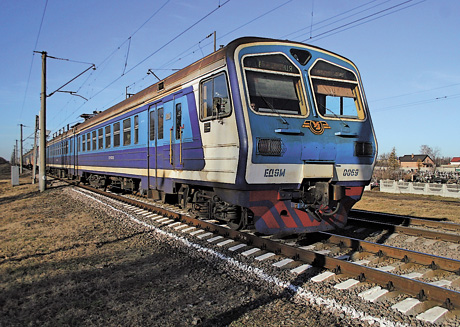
[(215, 47), (16, 154), (13, 158), (20, 157), (42, 146), (34, 156)]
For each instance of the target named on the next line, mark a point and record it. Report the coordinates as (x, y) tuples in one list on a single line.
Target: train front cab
[(311, 146)]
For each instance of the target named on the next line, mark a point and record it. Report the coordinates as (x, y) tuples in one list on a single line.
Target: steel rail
[(404, 220), (448, 237), (423, 291), (381, 250)]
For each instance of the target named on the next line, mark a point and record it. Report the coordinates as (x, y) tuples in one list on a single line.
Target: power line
[(132, 34), (153, 53), (370, 20), (178, 58), (70, 60), (127, 55), (417, 92), (416, 103), (161, 48), (180, 34), (32, 61), (253, 20), (338, 15), (117, 49), (359, 19), (110, 55)]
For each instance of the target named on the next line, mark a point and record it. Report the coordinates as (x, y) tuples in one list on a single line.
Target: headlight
[(270, 147)]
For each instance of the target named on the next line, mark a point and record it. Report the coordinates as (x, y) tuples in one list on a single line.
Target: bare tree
[(433, 153), (382, 159), (387, 166)]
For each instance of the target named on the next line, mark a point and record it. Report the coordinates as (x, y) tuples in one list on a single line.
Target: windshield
[(336, 91), (274, 85)]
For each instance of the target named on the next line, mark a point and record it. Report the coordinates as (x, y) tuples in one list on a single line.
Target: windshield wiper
[(274, 110), (335, 115)]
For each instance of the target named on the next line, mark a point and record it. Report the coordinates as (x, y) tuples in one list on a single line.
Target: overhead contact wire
[(32, 61), (162, 47), (360, 19)]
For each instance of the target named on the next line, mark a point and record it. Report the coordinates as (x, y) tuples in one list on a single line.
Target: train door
[(76, 149), (176, 135), (173, 134), (218, 127), (152, 147), (156, 147)]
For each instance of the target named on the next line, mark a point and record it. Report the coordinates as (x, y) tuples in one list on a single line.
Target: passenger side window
[(178, 120), (127, 131), (215, 101), (100, 140), (88, 141), (116, 134), (94, 141), (107, 136), (136, 129), (152, 125), (160, 123)]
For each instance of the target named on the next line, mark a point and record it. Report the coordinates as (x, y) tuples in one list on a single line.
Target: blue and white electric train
[(266, 133)]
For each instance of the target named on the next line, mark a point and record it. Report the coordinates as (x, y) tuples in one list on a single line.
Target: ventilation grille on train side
[(270, 147)]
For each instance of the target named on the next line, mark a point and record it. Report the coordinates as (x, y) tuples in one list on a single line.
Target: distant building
[(455, 161), (416, 161)]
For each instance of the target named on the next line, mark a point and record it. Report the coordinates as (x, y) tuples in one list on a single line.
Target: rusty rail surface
[(408, 256), (448, 237), (405, 220)]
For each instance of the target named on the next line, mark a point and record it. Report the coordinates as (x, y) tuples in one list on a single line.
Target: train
[(28, 159), (272, 135)]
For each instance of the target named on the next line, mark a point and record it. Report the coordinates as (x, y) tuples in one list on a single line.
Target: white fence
[(446, 190)]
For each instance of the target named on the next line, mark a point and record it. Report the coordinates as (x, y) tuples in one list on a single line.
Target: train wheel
[(240, 222)]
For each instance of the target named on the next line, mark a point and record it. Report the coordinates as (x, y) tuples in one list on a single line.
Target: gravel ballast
[(114, 268)]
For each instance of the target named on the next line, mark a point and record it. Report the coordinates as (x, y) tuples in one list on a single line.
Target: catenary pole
[(16, 154), (20, 153), (42, 146), (34, 155)]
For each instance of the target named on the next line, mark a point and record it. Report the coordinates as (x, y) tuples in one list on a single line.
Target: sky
[(407, 52)]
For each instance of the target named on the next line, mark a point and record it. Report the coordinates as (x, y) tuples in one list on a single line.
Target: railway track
[(430, 284), (426, 228)]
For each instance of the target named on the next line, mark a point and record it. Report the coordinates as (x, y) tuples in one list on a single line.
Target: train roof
[(174, 81)]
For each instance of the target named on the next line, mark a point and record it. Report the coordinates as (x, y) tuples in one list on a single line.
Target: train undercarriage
[(319, 199)]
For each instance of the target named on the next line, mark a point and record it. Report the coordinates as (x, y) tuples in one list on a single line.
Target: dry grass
[(62, 263), (411, 205), (58, 264)]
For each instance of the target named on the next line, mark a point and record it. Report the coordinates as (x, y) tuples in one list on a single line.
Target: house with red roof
[(455, 161)]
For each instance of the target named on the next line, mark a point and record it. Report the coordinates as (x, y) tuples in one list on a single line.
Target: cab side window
[(215, 101)]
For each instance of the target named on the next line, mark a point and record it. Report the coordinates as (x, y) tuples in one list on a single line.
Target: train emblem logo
[(316, 127)]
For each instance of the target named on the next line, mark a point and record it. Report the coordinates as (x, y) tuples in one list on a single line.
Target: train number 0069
[(350, 172)]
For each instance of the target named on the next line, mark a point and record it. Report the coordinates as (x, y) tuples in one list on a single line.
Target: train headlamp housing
[(364, 149)]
